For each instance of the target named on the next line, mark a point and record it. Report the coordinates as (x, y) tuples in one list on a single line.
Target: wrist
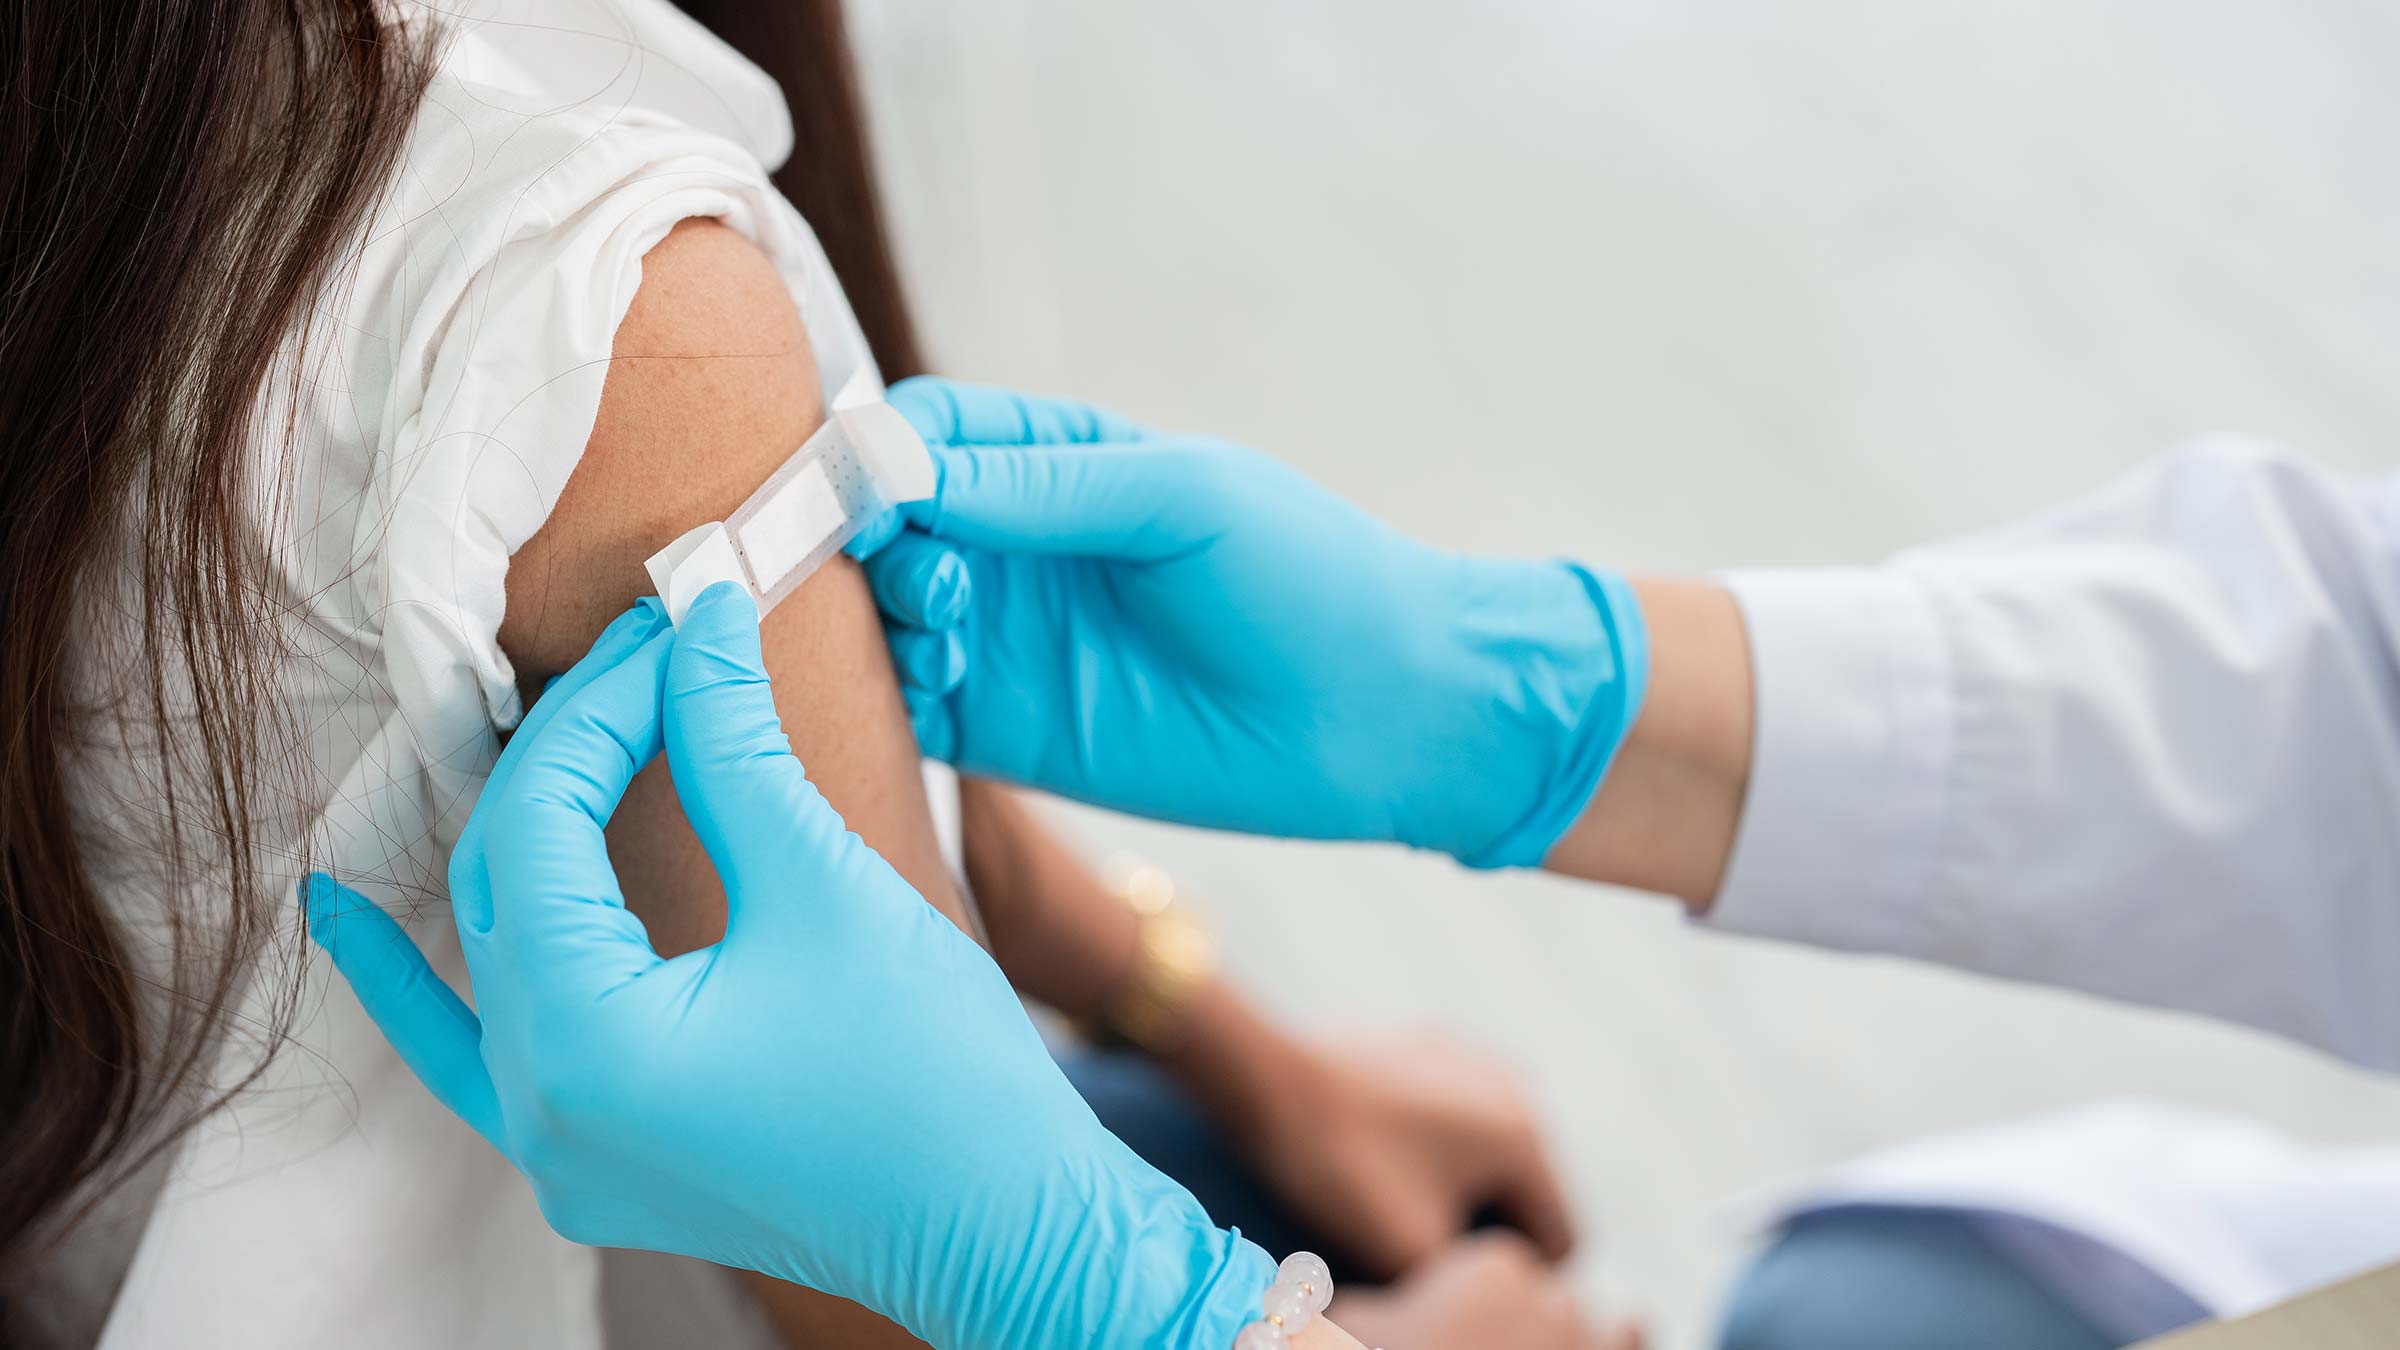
[(1182, 1285), (1665, 818), (1292, 1315), (1150, 1004), (1324, 1335), (1105, 1251), (1575, 646), (1245, 1072)]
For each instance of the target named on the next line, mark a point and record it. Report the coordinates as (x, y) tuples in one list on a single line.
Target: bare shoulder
[(711, 385)]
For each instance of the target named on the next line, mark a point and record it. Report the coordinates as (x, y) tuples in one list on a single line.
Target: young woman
[(352, 357)]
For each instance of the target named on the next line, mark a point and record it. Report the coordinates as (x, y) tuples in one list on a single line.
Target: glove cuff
[(1228, 1276), (1119, 1255), (1614, 672)]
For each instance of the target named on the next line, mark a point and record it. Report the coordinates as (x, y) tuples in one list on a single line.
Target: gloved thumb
[(747, 797), (930, 716)]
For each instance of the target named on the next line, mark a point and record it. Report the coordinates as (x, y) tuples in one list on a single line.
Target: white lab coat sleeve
[(2147, 746)]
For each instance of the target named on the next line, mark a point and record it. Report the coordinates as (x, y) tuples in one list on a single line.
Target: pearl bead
[(1262, 1336), (1287, 1301), (1307, 1268)]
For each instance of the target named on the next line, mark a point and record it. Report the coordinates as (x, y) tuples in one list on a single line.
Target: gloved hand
[(843, 1092), (922, 589), (1185, 629)]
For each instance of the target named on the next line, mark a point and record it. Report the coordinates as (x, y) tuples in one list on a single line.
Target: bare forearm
[(1664, 819), (1232, 1059), (1057, 930), (1066, 938)]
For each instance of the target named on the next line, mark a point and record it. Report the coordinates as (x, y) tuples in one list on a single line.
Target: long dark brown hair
[(830, 176), (179, 180)]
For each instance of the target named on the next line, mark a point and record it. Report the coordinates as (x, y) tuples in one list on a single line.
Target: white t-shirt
[(451, 385)]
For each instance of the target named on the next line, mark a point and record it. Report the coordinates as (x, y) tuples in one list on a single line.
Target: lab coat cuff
[(1854, 709)]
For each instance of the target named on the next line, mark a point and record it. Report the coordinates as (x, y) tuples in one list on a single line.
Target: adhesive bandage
[(865, 459)]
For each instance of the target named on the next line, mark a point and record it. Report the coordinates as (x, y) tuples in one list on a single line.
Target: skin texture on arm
[(712, 386), (1665, 818), (1061, 935), (1324, 1335)]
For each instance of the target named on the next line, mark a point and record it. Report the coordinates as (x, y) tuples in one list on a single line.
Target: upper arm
[(711, 386)]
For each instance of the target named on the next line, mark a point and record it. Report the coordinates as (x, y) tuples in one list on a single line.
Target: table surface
[(2356, 1314)]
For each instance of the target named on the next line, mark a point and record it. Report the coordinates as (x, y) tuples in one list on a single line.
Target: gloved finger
[(558, 916), (1114, 501), (470, 887), (927, 661), (876, 533), (746, 795), (437, 1035), (919, 582), (929, 716), (948, 412)]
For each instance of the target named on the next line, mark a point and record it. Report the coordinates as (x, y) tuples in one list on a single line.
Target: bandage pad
[(863, 461)]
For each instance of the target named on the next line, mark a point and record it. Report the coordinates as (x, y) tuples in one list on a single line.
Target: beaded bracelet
[(1303, 1286)]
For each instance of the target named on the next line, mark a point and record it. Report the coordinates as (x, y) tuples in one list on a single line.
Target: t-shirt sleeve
[(504, 258)]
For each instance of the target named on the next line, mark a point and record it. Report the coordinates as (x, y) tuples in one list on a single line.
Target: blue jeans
[(1896, 1279), (1145, 1108), (1142, 1106), (1864, 1279)]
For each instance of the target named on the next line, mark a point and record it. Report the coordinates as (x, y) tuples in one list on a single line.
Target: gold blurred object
[(1175, 959)]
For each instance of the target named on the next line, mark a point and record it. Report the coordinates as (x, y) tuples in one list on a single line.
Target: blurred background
[(1673, 284)]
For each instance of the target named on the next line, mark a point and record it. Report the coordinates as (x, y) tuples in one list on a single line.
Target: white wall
[(1674, 283)]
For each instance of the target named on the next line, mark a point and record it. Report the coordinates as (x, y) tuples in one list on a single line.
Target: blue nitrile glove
[(1182, 628), (843, 1093), (921, 587)]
